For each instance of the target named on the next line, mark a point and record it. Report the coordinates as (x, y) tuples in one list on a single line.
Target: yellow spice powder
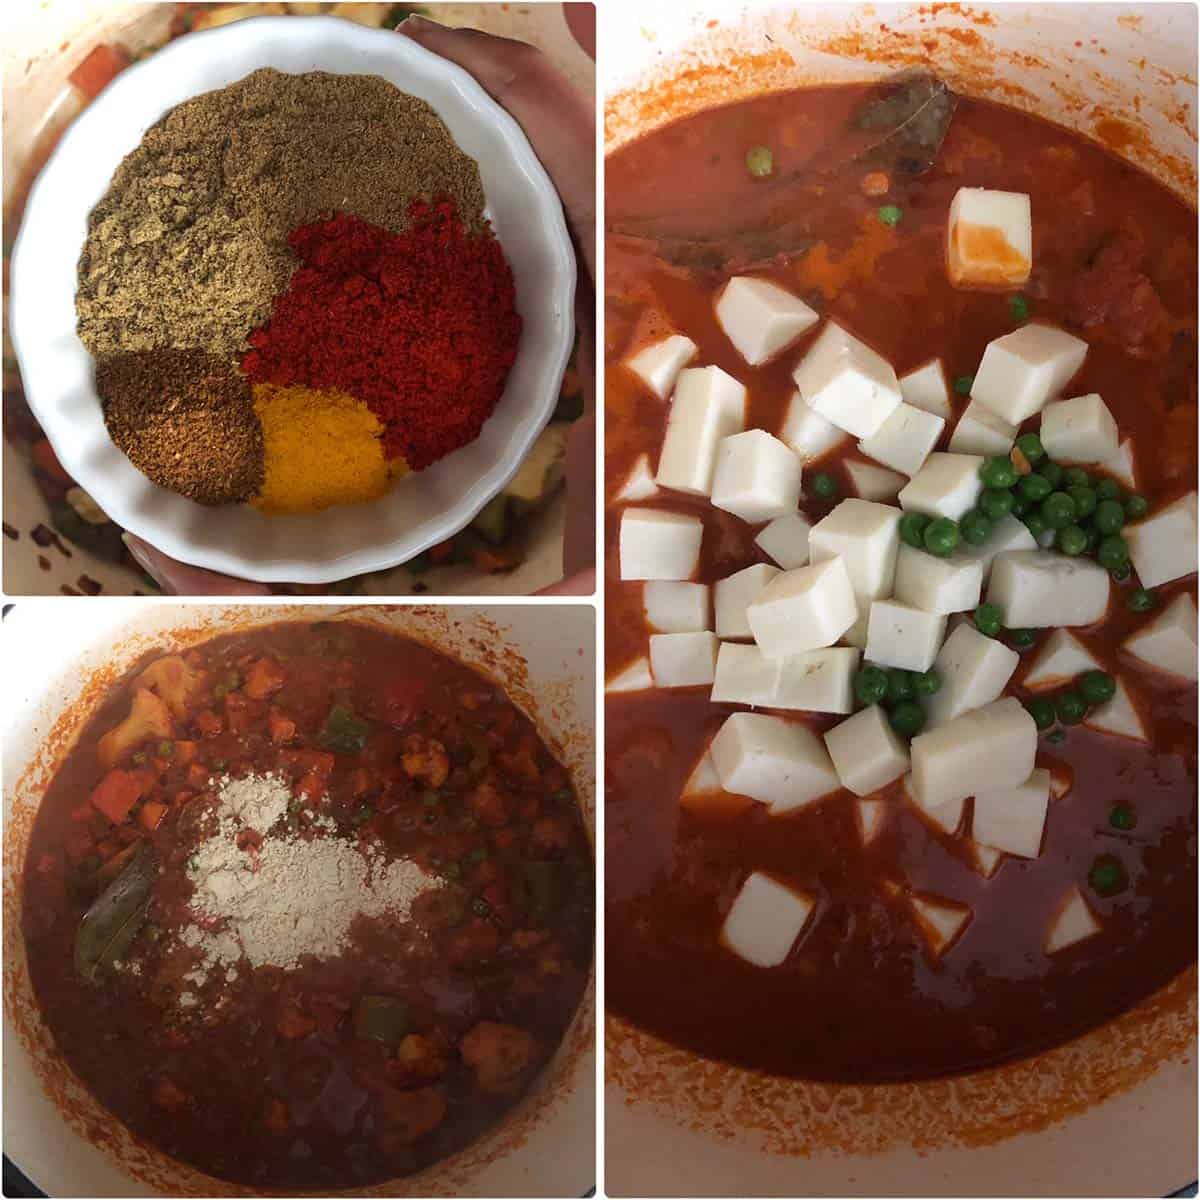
[(321, 448)]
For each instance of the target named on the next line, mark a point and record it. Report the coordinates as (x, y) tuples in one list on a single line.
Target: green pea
[(824, 485), (1121, 816), (1107, 876), (1109, 517), (989, 619), (1093, 538), (1056, 735), (1112, 553), (1136, 507), (1022, 639), (926, 683), (1052, 473), (1108, 489), (1085, 500), (1072, 541), (1141, 600), (166, 749), (1034, 488), (1120, 573), (1042, 712), (912, 529), (1058, 510), (963, 384), (995, 503), (998, 473), (870, 685), (1071, 708), (890, 215), (941, 536), (908, 718), (760, 161), (899, 685), (1020, 506), (975, 528), (1076, 477), (1031, 446), (1097, 687), (1018, 307), (1036, 524)]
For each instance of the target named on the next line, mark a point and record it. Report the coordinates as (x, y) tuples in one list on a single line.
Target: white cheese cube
[(995, 743), (948, 485), (807, 432), (936, 585), (756, 478), (780, 763), (639, 485), (1023, 369), (761, 318), (1060, 661), (803, 609), (873, 483), (1062, 779), (745, 675), (989, 238), (1163, 546), (785, 539), (658, 365), (980, 431), (734, 594), (1079, 430), (866, 536), (900, 636), (709, 405), (1121, 465), (1168, 642), (1036, 589), (702, 783), (1119, 716), (856, 635), (1073, 922), (984, 859), (634, 678), (1007, 534), (845, 381), (926, 388), (941, 921), (683, 659), (870, 815), (818, 681), (945, 815), (766, 919), (1013, 819), (974, 670), (656, 544), (866, 751), (905, 439), (672, 607)]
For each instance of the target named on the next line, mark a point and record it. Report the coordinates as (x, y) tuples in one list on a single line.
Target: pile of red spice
[(421, 326)]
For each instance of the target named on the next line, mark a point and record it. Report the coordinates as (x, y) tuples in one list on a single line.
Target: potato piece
[(173, 680), (148, 719)]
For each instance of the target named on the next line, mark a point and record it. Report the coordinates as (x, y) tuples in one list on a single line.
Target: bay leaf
[(112, 922)]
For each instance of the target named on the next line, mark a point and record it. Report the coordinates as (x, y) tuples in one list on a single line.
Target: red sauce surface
[(265, 1082), (860, 998)]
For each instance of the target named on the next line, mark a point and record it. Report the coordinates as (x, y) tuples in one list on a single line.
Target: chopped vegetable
[(1058, 510), (1072, 541), (1141, 600), (824, 486), (995, 503), (1107, 876), (890, 215), (760, 161), (1071, 708), (117, 793), (871, 685), (343, 732), (1018, 307), (941, 537), (975, 527), (1035, 488), (912, 529), (907, 718), (998, 473), (382, 1019), (1097, 687), (1108, 489), (989, 619), (1109, 517)]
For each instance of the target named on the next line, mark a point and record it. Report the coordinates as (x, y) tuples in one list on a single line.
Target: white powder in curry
[(290, 895)]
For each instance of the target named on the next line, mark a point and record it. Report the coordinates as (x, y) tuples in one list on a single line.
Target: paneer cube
[(734, 594), (1013, 819), (639, 484), (940, 921), (673, 607), (905, 439), (866, 751), (1023, 369), (757, 477), (866, 536), (870, 816), (683, 659), (926, 388), (996, 743), (745, 675), (807, 432), (1007, 534), (656, 544), (634, 678), (989, 238), (818, 681), (980, 431), (1163, 546), (1121, 466), (702, 790), (873, 483), (785, 539), (847, 382), (1119, 716), (1168, 642), (804, 609), (1079, 430), (658, 365), (766, 919), (905, 637), (709, 406), (1061, 659), (780, 763), (760, 318), (944, 815), (1036, 589), (974, 670), (984, 859), (936, 585), (948, 485), (1073, 922)]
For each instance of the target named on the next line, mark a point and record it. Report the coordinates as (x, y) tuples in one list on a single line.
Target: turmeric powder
[(320, 448)]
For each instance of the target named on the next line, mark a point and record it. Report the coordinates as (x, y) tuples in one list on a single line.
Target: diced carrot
[(116, 794), (300, 762), (108, 848), (311, 787), (209, 723), (84, 812), (292, 1023), (282, 729), (185, 752), (264, 678), (237, 712), (198, 775), (102, 65), (151, 813), (360, 782), (182, 798)]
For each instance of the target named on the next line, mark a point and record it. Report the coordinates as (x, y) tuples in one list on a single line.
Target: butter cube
[(683, 659), (818, 680), (1079, 430), (672, 607), (734, 594), (1013, 819), (785, 539), (780, 763), (873, 483), (807, 432), (905, 439), (866, 751), (974, 670), (1007, 534), (866, 536), (761, 318), (980, 431), (745, 676), (989, 238), (948, 485), (926, 388), (1168, 642), (634, 678), (1036, 589), (656, 544), (1118, 716), (658, 365), (1073, 922), (847, 382), (936, 585), (709, 405), (1163, 546), (900, 636), (757, 477), (804, 609), (1060, 661), (1023, 369), (639, 484), (766, 919)]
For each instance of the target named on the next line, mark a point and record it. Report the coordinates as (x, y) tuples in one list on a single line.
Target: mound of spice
[(422, 326), (186, 420)]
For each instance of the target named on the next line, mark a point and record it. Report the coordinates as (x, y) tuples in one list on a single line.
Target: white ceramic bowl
[(423, 508)]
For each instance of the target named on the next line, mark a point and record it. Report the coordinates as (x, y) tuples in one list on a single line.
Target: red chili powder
[(421, 326)]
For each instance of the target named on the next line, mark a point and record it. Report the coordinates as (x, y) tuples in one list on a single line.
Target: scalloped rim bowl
[(421, 509)]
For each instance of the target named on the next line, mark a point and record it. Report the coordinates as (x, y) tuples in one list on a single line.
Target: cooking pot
[(54, 1130), (1113, 1112)]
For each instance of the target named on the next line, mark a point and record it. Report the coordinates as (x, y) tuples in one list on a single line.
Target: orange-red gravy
[(859, 998)]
